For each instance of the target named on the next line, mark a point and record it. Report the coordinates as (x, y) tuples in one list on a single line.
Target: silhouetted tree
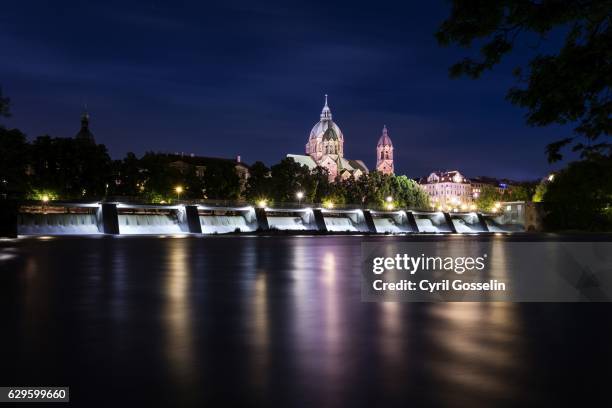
[(71, 168), (259, 184), (13, 162), (580, 196), (4, 105), (571, 85), (221, 181)]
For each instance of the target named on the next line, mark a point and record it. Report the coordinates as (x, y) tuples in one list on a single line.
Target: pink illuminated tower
[(384, 153)]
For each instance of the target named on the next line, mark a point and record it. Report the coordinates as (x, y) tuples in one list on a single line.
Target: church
[(325, 148)]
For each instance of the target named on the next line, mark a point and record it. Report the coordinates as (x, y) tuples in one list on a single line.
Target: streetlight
[(299, 195), (389, 199), (262, 203), (179, 190), (45, 198)]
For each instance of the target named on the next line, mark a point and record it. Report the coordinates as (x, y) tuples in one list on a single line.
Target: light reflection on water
[(267, 319)]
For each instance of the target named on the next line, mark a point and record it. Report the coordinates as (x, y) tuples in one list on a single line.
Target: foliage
[(259, 185), (220, 181), (14, 154), (580, 196), (540, 191), (571, 85), (489, 195), (521, 192), (4, 105), (72, 168), (282, 182)]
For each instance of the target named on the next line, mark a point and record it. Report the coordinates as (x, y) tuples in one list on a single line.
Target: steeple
[(326, 112), (85, 133), (384, 153)]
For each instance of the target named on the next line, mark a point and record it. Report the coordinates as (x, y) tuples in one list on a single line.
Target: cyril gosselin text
[(405, 273)]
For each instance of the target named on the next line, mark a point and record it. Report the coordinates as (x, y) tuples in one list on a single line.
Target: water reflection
[(273, 320), (177, 313)]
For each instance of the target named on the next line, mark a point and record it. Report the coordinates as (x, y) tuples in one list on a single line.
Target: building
[(183, 163), (448, 190), (502, 186), (85, 133), (384, 153), (325, 148)]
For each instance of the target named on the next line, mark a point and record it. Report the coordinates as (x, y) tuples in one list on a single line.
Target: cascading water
[(467, 223), (340, 224), (434, 222), (148, 224), (384, 224), (222, 224), (287, 223), (56, 224), (499, 224)]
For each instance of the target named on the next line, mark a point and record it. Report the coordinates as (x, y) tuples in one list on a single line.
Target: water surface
[(274, 320)]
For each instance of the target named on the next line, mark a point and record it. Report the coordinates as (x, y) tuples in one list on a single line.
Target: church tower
[(85, 133), (384, 153)]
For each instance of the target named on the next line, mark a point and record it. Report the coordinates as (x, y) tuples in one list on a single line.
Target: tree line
[(72, 169)]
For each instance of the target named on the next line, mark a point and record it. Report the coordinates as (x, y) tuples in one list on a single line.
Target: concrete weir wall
[(124, 218)]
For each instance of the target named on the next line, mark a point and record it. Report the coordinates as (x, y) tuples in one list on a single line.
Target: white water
[(148, 224), (57, 224), (222, 224), (425, 225), (384, 224), (287, 223), (468, 223), (494, 225), (339, 224)]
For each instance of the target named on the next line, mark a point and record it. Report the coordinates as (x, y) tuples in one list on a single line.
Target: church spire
[(85, 133), (326, 112)]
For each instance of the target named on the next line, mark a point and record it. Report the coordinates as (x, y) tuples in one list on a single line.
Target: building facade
[(325, 148), (448, 190)]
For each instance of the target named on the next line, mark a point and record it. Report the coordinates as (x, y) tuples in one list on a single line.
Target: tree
[(487, 198), (259, 184), (571, 85), (14, 154), (289, 177), (4, 106), (70, 168), (540, 191), (221, 181), (408, 193), (519, 192), (580, 196)]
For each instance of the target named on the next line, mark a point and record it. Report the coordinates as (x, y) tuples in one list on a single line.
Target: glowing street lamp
[(389, 199), (299, 195), (179, 190), (262, 203), (45, 198), (328, 204)]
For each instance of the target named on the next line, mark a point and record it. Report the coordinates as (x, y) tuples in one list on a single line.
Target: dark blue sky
[(230, 78)]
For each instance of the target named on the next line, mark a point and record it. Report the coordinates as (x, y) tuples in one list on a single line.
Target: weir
[(71, 218), (291, 219)]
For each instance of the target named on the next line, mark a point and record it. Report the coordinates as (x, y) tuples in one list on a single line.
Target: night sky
[(227, 78)]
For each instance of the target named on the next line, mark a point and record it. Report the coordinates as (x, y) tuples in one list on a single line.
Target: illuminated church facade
[(325, 148)]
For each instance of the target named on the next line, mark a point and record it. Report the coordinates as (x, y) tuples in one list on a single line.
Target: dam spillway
[(70, 218)]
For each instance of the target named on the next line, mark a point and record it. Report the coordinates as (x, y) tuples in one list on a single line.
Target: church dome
[(325, 124), (384, 140), (85, 133)]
